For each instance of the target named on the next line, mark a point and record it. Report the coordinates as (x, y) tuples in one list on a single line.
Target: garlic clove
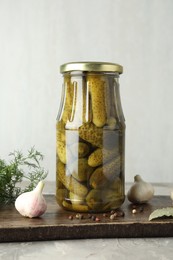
[(140, 191), (32, 204)]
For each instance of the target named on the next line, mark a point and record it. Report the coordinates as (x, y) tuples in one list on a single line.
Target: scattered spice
[(93, 217), (134, 211), (112, 216), (79, 216), (141, 209), (120, 213)]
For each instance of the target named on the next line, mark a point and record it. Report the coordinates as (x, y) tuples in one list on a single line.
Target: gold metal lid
[(91, 66)]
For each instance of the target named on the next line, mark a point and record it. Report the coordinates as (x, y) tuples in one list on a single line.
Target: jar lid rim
[(91, 66)]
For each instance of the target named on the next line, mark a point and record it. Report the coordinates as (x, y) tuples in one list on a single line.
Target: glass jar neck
[(92, 98)]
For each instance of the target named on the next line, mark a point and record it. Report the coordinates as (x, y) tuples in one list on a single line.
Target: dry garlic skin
[(90, 139), (141, 191), (32, 204)]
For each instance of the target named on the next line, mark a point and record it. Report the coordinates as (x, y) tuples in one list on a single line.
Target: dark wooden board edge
[(112, 230), (129, 227)]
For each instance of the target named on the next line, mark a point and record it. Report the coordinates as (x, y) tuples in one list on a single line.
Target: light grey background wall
[(36, 36)]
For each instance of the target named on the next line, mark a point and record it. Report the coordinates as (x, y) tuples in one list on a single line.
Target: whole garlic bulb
[(31, 204), (140, 191)]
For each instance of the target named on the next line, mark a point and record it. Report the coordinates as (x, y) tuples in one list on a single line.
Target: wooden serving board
[(55, 224)]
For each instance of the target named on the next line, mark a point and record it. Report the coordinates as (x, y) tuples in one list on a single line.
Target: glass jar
[(90, 144)]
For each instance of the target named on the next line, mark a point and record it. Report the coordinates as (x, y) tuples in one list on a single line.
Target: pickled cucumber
[(97, 87), (79, 149), (99, 137), (67, 112), (99, 199), (111, 123), (80, 169), (60, 136), (59, 184), (94, 199), (64, 154), (105, 174), (75, 207), (117, 185), (90, 133), (60, 131), (69, 182), (61, 194), (76, 199), (100, 156), (61, 150)]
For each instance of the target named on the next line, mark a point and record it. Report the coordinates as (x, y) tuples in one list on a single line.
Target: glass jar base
[(96, 208)]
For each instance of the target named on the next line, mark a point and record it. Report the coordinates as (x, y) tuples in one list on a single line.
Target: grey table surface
[(92, 249)]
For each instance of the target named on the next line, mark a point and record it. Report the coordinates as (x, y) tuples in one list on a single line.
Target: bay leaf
[(163, 212)]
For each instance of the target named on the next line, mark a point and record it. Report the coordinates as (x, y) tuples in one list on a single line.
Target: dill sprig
[(20, 168)]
